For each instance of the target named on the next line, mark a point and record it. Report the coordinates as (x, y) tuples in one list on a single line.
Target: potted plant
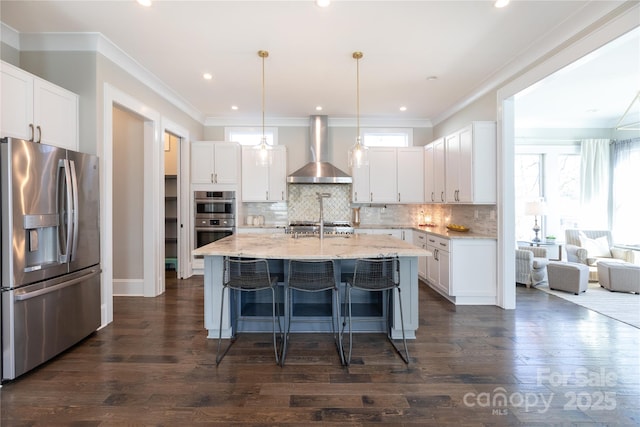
[(550, 238)]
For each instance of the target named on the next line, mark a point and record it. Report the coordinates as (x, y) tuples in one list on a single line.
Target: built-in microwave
[(214, 216), (215, 202)]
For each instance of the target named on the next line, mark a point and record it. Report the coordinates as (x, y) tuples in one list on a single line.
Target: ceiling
[(470, 46)]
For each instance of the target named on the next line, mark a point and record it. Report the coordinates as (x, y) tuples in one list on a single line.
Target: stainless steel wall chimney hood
[(319, 170)]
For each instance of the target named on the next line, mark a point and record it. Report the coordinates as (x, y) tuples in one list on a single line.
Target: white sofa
[(590, 246)]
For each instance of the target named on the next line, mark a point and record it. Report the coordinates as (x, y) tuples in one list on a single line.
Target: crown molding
[(96, 42), (332, 122), (9, 36), (595, 14)]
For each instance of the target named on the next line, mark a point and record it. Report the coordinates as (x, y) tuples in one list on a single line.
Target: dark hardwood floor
[(549, 362)]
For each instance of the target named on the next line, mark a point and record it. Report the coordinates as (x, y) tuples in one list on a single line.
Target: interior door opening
[(172, 240)]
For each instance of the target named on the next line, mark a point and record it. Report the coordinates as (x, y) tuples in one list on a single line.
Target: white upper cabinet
[(264, 183), (470, 164), (394, 175), (434, 172), (360, 188), (37, 110), (214, 162), (439, 170), (382, 175), (410, 170)]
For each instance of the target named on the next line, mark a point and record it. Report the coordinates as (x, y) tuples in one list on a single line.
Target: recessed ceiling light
[(234, 107), (432, 78), (145, 3), (323, 3), (501, 3), (403, 108), (319, 108), (207, 76)]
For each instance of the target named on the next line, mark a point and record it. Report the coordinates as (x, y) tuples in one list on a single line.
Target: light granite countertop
[(440, 231), (284, 246)]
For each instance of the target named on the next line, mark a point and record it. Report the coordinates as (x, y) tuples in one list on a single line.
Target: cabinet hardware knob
[(39, 134), (33, 132)]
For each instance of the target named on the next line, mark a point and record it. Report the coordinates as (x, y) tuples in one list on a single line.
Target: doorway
[(617, 25), (171, 204)]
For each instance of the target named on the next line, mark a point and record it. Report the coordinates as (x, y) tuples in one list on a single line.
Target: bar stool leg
[(405, 356), (285, 338), (335, 321), (219, 356)]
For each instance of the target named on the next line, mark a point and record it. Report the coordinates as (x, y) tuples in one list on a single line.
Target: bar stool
[(247, 275), (373, 275), (312, 276)]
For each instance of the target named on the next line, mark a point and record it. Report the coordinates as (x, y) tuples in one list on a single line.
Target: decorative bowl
[(458, 227)]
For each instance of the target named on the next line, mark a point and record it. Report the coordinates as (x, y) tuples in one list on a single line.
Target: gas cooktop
[(309, 227)]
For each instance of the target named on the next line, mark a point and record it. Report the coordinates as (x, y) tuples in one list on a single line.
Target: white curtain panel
[(626, 203), (594, 180)]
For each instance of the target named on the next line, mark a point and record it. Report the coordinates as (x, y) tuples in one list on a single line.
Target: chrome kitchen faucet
[(321, 196)]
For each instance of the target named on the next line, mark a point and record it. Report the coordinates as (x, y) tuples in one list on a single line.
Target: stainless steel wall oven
[(214, 216)]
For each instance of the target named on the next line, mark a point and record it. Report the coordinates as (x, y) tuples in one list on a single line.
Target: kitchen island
[(279, 248)]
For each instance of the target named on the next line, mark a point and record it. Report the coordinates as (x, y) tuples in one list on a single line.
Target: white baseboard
[(128, 287)]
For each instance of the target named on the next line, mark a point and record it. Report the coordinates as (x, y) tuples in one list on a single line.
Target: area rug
[(621, 306)]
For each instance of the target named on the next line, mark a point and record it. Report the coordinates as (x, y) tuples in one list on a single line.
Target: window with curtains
[(626, 202), (528, 176), (553, 173)]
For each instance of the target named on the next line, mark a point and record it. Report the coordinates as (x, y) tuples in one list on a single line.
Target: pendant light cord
[(357, 56), (263, 54), (358, 95), (263, 96)]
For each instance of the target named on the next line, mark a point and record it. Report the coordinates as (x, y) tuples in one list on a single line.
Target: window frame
[(549, 159), (252, 130), (406, 132)]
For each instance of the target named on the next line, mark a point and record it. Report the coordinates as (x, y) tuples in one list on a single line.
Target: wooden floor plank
[(154, 366)]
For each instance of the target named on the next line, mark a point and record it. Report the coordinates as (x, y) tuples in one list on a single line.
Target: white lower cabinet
[(463, 270), (420, 240)]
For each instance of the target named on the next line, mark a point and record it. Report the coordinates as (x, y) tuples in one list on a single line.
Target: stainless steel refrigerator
[(50, 252)]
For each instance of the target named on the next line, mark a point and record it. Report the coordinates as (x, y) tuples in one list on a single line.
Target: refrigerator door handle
[(64, 164), (44, 291), (74, 191)]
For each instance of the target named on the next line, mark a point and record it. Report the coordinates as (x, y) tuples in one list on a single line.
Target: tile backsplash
[(303, 205)]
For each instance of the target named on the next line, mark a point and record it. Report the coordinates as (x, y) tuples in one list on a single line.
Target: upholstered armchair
[(531, 265), (589, 246)]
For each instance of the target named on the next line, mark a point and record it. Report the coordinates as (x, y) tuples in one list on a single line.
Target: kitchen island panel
[(285, 247)]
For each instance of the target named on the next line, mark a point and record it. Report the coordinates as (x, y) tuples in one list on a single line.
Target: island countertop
[(284, 246)]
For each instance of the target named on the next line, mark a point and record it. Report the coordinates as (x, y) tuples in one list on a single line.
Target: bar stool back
[(247, 275), (312, 276), (371, 275)]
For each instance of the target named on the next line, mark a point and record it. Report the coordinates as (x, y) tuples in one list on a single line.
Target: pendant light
[(358, 153), (263, 157)]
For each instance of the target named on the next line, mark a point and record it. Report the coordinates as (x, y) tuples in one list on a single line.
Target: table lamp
[(536, 208)]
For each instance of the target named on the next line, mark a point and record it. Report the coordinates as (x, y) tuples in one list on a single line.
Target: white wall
[(128, 206)]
